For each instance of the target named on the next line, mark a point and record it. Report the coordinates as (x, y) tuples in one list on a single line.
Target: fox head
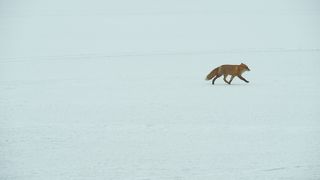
[(245, 67)]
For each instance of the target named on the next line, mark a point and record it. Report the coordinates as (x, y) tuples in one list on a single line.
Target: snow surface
[(116, 90)]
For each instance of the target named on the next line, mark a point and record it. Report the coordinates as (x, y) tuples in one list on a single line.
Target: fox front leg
[(242, 78)]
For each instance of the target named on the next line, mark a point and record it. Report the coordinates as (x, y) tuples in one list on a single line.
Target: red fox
[(225, 70)]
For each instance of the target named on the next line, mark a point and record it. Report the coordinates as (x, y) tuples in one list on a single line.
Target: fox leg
[(243, 79), (230, 79), (214, 79), (225, 78)]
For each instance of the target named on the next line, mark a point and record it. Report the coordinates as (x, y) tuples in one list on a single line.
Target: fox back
[(233, 70)]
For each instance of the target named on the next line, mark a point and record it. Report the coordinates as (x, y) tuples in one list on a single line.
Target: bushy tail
[(212, 74)]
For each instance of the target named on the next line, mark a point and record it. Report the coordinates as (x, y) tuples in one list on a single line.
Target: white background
[(116, 90)]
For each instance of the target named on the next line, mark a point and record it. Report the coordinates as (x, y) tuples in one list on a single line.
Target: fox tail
[(212, 74)]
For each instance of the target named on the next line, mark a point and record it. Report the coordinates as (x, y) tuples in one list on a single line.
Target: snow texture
[(116, 90)]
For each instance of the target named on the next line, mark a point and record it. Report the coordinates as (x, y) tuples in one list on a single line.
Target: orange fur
[(225, 70)]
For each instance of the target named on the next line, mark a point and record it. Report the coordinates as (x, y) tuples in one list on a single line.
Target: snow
[(118, 91)]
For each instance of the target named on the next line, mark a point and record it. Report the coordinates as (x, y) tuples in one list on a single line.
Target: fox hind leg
[(225, 78), (230, 79), (214, 79)]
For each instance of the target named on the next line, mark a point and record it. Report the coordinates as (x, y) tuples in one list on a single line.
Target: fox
[(227, 69)]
